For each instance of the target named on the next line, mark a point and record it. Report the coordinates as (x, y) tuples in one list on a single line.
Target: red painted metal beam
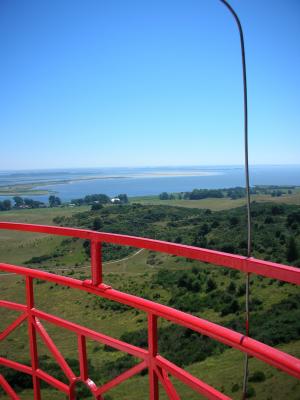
[(53, 349), (16, 365), (121, 378), (152, 348), (167, 384), (12, 326), (244, 264), (32, 338), (191, 381), (8, 389)]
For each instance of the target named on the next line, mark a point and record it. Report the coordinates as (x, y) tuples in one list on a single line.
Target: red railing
[(159, 368)]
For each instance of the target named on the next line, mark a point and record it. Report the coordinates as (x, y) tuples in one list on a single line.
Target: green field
[(17, 247), (136, 275), (216, 204)]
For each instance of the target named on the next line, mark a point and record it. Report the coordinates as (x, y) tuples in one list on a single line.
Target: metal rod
[(247, 180)]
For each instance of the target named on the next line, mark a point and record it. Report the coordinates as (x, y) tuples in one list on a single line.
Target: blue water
[(144, 181)]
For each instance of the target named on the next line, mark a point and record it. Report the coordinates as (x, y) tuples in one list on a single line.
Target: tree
[(96, 207), (18, 201), (54, 201), (99, 198), (5, 205), (164, 196), (210, 285), (33, 203), (123, 198), (231, 287), (97, 224), (292, 250)]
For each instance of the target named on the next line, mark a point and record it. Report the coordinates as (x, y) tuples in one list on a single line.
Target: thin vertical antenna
[(245, 381)]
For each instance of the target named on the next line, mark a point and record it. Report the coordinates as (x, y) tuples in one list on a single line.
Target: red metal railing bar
[(244, 264), (41, 374), (99, 337), (8, 389), (13, 306), (13, 326), (191, 381), (52, 381), (167, 384), (270, 355), (152, 349), (61, 386), (121, 378), (82, 358), (32, 338), (54, 350), (96, 262), (16, 365)]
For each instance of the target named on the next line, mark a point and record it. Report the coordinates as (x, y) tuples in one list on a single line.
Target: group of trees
[(233, 193), (5, 205), (167, 196), (198, 194), (20, 202), (100, 199), (54, 201)]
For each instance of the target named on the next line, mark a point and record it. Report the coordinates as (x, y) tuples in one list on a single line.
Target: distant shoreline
[(21, 189)]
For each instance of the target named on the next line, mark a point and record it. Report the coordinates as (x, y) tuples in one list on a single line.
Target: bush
[(230, 308), (189, 302), (178, 344), (250, 392), (210, 285), (235, 388), (257, 376)]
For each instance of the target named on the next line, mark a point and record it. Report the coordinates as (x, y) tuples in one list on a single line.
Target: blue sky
[(142, 83)]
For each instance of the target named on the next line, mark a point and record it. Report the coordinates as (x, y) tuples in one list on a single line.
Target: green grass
[(216, 204)]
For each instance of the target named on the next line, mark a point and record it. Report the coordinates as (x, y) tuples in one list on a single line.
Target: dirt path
[(87, 266)]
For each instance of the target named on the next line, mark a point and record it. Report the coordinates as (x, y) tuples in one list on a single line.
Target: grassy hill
[(211, 292)]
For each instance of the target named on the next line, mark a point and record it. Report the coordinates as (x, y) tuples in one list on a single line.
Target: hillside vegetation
[(208, 291)]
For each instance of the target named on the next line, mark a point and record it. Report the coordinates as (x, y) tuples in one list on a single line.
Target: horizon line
[(148, 166)]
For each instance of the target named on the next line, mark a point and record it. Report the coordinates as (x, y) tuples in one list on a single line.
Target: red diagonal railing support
[(167, 384), (152, 348), (121, 378), (190, 380), (32, 338), (96, 262), (54, 350), (12, 326), (8, 389)]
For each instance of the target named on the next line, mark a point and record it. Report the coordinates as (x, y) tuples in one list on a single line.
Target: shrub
[(250, 392), (235, 388), (257, 376)]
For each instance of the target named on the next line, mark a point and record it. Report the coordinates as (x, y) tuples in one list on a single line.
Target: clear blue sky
[(119, 82)]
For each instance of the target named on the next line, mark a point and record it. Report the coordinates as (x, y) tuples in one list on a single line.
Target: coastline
[(28, 189)]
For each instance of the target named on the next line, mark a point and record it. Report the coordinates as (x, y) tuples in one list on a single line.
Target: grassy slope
[(18, 247)]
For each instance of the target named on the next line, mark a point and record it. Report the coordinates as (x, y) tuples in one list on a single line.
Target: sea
[(75, 183)]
